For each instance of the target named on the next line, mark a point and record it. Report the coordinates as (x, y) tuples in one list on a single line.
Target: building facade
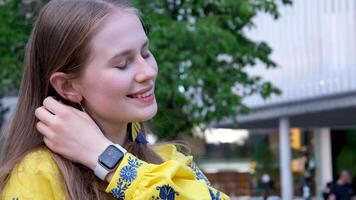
[(314, 45)]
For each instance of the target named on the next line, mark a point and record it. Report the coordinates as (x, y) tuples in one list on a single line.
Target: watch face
[(110, 157)]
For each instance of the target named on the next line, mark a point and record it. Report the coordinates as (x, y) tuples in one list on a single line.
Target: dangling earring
[(137, 133), (80, 103)]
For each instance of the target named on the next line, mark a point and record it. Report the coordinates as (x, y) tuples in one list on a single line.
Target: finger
[(44, 130), (54, 106), (44, 115)]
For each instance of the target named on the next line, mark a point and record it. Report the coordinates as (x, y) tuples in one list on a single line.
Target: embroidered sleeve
[(171, 180), (214, 194)]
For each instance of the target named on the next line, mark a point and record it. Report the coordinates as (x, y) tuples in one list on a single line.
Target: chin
[(146, 114)]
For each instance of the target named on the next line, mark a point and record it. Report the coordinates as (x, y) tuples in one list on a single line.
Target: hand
[(70, 132)]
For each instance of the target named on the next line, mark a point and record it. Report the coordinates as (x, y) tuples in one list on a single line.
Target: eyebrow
[(125, 53)]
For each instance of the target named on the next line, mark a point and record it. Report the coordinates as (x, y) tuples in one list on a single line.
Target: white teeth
[(146, 94)]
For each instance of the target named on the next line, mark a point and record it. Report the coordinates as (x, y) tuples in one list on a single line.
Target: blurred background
[(263, 91)]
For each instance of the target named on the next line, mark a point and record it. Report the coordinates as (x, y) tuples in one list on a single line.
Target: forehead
[(121, 30)]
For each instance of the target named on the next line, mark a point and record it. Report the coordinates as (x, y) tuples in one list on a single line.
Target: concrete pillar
[(285, 159), (323, 158)]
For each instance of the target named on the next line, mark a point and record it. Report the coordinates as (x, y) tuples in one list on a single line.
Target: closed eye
[(146, 55), (122, 65)]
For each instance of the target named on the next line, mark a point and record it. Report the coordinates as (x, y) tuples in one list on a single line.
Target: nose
[(145, 70)]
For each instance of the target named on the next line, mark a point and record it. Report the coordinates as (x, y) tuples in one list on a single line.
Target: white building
[(314, 44)]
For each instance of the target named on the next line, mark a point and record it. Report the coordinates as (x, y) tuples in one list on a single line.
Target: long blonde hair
[(59, 42)]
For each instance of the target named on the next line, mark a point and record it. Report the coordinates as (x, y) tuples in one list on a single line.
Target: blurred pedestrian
[(342, 189)]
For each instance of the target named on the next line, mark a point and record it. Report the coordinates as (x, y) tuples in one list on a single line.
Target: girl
[(89, 79)]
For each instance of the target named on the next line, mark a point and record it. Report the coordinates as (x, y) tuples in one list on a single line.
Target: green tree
[(203, 53), (16, 18), (200, 46)]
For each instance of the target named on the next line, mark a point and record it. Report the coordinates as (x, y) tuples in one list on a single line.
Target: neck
[(115, 133)]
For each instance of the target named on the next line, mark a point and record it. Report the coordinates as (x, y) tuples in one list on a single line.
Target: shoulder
[(36, 176), (170, 152), (39, 160), (37, 165)]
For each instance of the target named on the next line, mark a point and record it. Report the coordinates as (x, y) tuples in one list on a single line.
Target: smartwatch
[(109, 160)]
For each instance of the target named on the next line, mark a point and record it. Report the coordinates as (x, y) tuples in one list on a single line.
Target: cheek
[(116, 84), (106, 95), (108, 88)]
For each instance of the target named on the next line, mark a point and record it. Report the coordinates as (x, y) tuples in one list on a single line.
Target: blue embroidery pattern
[(200, 176), (127, 174), (166, 192), (198, 173), (214, 196)]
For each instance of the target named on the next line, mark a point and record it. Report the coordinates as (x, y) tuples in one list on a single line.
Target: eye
[(146, 54), (122, 65)]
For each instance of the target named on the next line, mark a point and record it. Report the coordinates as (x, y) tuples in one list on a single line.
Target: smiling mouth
[(141, 96)]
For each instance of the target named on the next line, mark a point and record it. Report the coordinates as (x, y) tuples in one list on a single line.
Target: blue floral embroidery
[(118, 193), (166, 192), (198, 173), (214, 196), (127, 175), (134, 162), (200, 176)]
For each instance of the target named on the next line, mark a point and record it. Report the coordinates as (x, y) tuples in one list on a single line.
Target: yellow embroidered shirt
[(37, 177)]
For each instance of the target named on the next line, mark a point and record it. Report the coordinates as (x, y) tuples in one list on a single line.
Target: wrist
[(108, 161), (100, 148), (109, 176)]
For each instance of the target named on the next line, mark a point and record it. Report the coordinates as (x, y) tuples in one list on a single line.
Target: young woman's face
[(119, 79)]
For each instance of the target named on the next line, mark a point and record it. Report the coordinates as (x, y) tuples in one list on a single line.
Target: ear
[(66, 87)]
